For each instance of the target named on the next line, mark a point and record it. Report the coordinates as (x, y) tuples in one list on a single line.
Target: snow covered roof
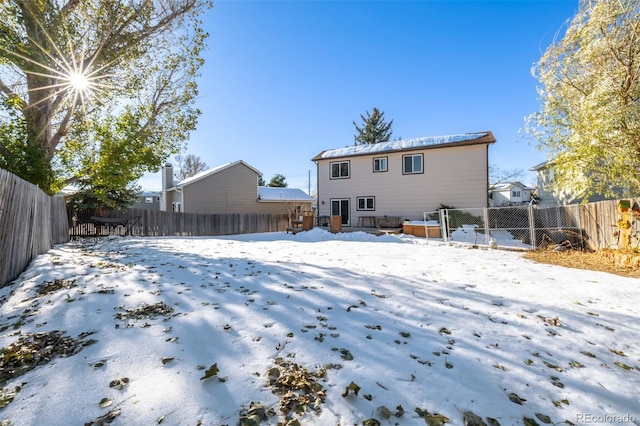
[(508, 185), (212, 171), (266, 193), (408, 145)]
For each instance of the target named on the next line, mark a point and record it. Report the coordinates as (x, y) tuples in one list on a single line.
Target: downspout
[(318, 189)]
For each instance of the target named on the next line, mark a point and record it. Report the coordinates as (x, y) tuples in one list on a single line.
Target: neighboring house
[(148, 200), (284, 200), (509, 194), (546, 195), (403, 178), (229, 188)]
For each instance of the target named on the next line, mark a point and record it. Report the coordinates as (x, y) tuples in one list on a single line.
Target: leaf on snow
[(432, 419), (120, 383), (105, 402), (516, 399), (352, 387), (543, 418), (472, 419), (212, 371), (384, 412)]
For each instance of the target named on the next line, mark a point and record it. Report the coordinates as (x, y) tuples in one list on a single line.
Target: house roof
[(409, 145), (271, 194), (507, 186), (209, 172), (541, 166)]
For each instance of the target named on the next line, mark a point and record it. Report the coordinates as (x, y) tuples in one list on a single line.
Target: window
[(515, 194), (412, 164), (366, 203), (380, 164), (148, 200), (339, 170)]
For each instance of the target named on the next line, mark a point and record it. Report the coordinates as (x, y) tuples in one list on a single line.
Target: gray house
[(148, 200), (229, 188)]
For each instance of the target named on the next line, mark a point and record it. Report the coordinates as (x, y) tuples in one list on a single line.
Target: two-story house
[(229, 188), (403, 178), (509, 194), (548, 195)]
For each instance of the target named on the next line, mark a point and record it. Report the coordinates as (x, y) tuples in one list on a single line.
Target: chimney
[(167, 182)]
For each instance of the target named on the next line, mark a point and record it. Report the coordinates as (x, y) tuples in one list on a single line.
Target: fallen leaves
[(297, 388), (145, 311), (6, 396), (57, 284), (35, 349), (119, 383)]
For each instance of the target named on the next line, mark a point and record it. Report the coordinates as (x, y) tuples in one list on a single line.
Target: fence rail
[(153, 223), (31, 222)]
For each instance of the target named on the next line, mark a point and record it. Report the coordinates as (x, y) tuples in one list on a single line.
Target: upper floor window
[(412, 164), (366, 203), (380, 164), (148, 200), (339, 170)]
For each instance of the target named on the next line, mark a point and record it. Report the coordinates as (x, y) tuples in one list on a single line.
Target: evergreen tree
[(278, 181), (374, 128)]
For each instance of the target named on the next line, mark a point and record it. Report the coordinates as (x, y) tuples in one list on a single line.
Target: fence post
[(444, 220), (582, 242), (532, 227), (487, 225)]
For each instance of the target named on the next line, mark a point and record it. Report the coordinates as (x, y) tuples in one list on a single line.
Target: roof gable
[(210, 172), (409, 145)]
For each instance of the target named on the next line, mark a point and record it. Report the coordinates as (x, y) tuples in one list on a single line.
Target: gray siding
[(232, 190)]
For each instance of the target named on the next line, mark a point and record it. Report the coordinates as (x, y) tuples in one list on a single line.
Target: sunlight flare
[(78, 81)]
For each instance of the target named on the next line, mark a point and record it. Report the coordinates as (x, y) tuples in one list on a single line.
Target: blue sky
[(284, 80)]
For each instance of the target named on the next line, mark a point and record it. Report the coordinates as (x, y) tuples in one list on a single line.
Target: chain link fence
[(516, 227)]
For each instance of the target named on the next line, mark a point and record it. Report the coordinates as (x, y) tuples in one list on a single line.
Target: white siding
[(455, 176)]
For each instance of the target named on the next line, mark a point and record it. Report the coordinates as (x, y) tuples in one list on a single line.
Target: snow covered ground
[(392, 329)]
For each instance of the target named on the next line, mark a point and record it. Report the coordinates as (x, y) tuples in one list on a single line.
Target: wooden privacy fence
[(153, 223), (31, 222), (600, 224)]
